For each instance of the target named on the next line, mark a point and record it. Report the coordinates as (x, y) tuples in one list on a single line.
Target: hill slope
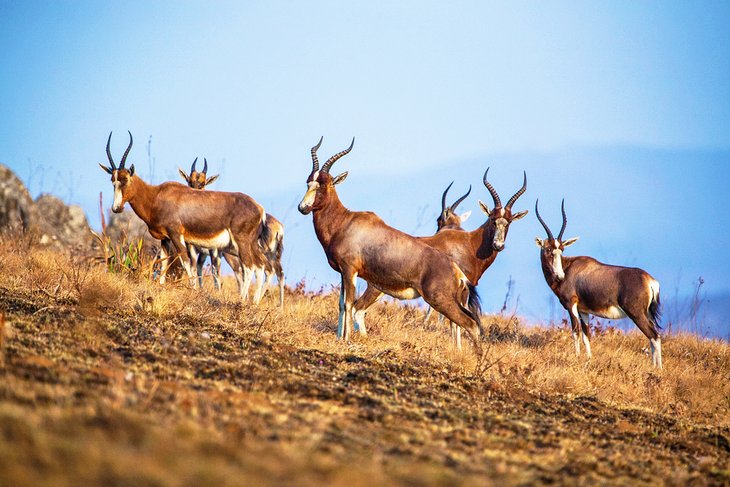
[(112, 379)]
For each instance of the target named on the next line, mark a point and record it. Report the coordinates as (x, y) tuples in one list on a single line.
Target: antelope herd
[(444, 269)]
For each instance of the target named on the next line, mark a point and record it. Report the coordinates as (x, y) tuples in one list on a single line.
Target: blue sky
[(621, 107)]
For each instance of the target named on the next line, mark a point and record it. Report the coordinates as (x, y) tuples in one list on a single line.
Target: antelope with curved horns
[(360, 244), (178, 216), (198, 180), (273, 247), (472, 251), (586, 287), (448, 217)]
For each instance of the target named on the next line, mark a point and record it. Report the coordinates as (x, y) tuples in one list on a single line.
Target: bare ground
[(103, 396)]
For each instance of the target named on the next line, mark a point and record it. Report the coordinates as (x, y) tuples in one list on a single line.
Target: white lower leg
[(164, 264), (259, 293), (247, 275), (359, 322), (656, 352), (587, 344)]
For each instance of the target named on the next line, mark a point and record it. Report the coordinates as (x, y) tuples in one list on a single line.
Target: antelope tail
[(473, 307), (264, 236), (654, 311)]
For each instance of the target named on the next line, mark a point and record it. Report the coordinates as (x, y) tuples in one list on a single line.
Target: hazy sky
[(613, 105)]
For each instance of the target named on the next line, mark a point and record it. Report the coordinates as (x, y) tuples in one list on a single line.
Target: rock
[(60, 225), (15, 202), (48, 220)]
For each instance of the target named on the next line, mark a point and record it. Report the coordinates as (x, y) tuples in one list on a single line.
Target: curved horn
[(109, 152), (126, 152), (192, 167), (453, 207), (205, 167), (544, 225), (443, 196), (333, 159), (565, 220), (315, 161), (495, 196), (520, 192)]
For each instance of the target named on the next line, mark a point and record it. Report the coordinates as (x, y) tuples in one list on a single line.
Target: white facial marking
[(558, 264), (117, 194), (309, 196)]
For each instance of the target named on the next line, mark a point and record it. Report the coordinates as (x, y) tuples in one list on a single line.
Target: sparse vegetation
[(109, 378)]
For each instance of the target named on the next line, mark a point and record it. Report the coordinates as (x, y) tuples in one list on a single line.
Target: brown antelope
[(360, 244), (472, 251), (586, 287), (178, 216), (273, 247), (447, 219)]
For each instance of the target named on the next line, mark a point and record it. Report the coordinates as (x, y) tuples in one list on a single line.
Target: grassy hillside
[(111, 379)]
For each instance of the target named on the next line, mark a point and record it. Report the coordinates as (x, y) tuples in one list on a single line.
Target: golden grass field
[(111, 379)]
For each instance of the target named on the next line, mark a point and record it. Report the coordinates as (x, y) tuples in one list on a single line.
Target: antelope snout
[(304, 209), (117, 208), (498, 246)]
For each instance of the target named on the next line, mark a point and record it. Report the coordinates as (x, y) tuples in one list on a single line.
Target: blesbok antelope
[(360, 244), (472, 251), (178, 216), (198, 180), (585, 287), (273, 247), (448, 217)]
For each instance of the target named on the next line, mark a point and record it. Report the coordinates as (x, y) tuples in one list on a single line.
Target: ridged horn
[(109, 152), (333, 159), (544, 225), (565, 220), (520, 192), (492, 191), (126, 152), (205, 166), (443, 197), (192, 166), (453, 207), (315, 161)]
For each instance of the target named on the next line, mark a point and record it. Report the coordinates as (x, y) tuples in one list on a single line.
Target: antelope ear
[(339, 178), (184, 176), (464, 216), (570, 241), (211, 179), (105, 168), (538, 242), (519, 215), (131, 170), (484, 207)]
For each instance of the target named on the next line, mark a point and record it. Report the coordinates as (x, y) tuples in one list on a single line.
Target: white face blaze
[(557, 261), (118, 202), (306, 204), (500, 232)]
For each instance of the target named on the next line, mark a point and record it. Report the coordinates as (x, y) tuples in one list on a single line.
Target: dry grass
[(100, 369)]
